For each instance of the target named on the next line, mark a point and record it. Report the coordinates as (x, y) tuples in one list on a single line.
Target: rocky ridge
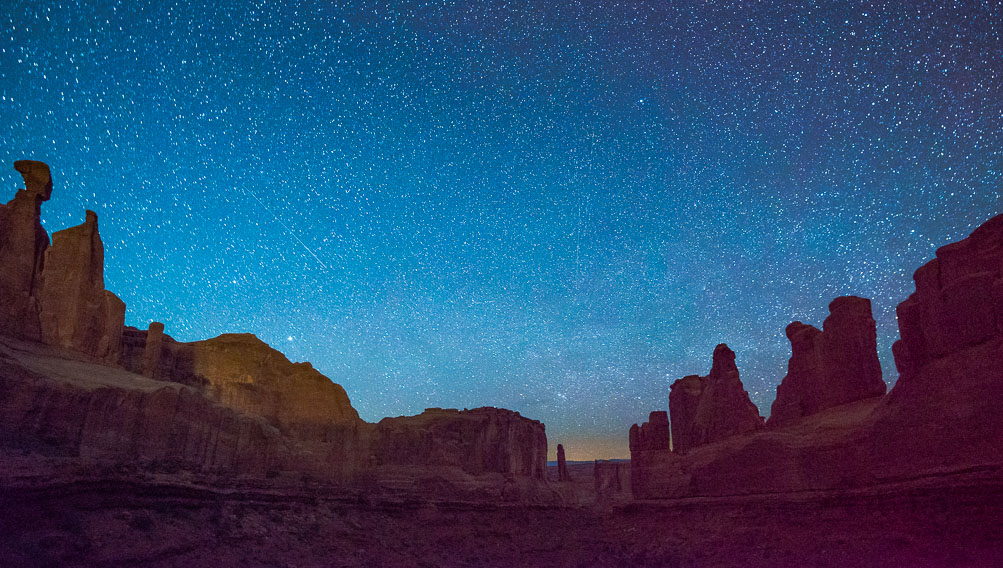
[(76, 382)]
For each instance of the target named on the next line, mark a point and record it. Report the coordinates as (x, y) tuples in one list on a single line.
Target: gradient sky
[(554, 207)]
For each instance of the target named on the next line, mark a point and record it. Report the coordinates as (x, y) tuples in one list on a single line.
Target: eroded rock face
[(832, 367), (708, 409), (120, 418), (945, 408), (23, 242), (478, 441), (75, 310), (651, 435), (562, 465)]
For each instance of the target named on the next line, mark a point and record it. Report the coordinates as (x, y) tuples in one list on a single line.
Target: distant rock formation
[(611, 479), (23, 242), (941, 419), (562, 465), (831, 367), (651, 435), (708, 409), (478, 441)]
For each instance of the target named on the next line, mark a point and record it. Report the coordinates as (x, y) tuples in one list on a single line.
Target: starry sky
[(554, 207)]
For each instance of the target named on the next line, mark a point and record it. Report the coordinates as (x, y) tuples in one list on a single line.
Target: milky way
[(557, 208)]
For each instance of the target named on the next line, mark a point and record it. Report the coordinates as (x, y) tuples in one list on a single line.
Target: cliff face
[(63, 407), (478, 441), (56, 293), (831, 367), (944, 410), (708, 409), (75, 310), (229, 404), (23, 242), (941, 418)]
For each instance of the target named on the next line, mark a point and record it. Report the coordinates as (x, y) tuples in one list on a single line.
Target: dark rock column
[(562, 466)]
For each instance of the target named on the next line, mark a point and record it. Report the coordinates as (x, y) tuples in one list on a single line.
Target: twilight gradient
[(554, 207)]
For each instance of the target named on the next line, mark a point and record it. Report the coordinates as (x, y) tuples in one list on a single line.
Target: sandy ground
[(927, 523)]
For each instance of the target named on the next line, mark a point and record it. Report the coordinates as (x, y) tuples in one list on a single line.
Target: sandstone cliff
[(23, 242), (708, 409), (942, 417), (831, 367)]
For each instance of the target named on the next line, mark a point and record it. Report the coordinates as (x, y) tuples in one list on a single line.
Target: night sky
[(558, 208)]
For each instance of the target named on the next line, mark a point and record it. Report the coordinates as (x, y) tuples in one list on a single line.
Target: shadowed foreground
[(155, 522)]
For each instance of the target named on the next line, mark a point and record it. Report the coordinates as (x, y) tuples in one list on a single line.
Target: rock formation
[(941, 420), (23, 242), (100, 413), (831, 367), (55, 293), (712, 408), (562, 465), (478, 441), (651, 435), (611, 479), (230, 404), (75, 310)]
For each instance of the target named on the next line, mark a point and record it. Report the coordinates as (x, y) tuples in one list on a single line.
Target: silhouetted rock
[(945, 407), (562, 465), (712, 408), (478, 441), (75, 310), (831, 367), (23, 242), (152, 350), (651, 435)]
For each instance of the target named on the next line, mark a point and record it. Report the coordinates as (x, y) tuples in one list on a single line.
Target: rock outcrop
[(55, 294), (611, 479), (941, 419), (651, 435), (60, 407), (479, 441), (562, 465), (75, 310), (23, 242), (828, 368), (708, 409)]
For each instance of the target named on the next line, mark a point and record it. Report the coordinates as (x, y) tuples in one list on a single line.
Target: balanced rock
[(75, 311), (23, 242), (562, 465), (712, 408), (828, 368)]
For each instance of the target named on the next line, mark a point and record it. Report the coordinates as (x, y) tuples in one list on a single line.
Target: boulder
[(828, 368), (712, 408)]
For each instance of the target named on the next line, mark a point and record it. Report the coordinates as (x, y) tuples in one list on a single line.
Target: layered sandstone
[(708, 409), (478, 441), (831, 367), (941, 419), (23, 242), (75, 310), (55, 406)]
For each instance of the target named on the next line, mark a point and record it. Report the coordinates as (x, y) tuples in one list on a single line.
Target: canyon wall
[(75, 382), (834, 429)]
